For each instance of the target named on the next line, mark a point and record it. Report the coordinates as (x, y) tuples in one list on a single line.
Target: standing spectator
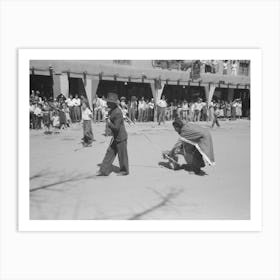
[(103, 104), (228, 110), (161, 110), (70, 105), (197, 110), (222, 110), (77, 112), (178, 112), (151, 105), (55, 122), (141, 108), (32, 96), (132, 108), (32, 115), (98, 110), (233, 110), (38, 116), (46, 115), (146, 111), (169, 111), (185, 109), (62, 116), (239, 109), (211, 111), (216, 116), (67, 114), (204, 112), (191, 115), (87, 127), (37, 97), (61, 98)]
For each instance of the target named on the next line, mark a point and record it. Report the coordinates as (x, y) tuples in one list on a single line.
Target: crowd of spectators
[(61, 112)]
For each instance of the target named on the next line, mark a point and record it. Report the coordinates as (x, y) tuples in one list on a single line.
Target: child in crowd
[(46, 117), (216, 116), (87, 127), (67, 114), (62, 117), (55, 122), (38, 116)]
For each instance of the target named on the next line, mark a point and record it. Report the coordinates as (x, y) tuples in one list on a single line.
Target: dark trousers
[(72, 115), (88, 135), (77, 113), (132, 113), (115, 148), (215, 121)]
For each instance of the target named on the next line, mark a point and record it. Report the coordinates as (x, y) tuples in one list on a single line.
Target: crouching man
[(118, 144), (195, 144)]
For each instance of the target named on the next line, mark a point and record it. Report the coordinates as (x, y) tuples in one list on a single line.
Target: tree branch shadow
[(165, 199)]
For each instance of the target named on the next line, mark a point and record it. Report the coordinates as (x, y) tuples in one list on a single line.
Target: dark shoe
[(122, 173), (99, 173)]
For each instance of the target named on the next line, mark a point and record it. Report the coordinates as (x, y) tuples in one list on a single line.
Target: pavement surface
[(63, 185)]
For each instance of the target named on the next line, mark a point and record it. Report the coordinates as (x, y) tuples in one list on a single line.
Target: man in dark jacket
[(119, 141)]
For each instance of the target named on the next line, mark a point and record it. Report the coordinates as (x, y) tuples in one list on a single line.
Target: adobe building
[(148, 78)]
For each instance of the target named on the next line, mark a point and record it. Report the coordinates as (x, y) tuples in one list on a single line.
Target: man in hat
[(118, 144)]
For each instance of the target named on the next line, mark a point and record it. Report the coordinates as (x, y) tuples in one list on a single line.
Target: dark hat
[(112, 97), (178, 122)]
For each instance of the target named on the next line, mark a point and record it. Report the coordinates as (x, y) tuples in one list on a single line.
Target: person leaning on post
[(118, 145)]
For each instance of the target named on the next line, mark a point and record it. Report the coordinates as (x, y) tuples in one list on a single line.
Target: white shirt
[(69, 102), (162, 103), (86, 114), (76, 101), (103, 103), (55, 120), (38, 111), (197, 106), (151, 105), (141, 104)]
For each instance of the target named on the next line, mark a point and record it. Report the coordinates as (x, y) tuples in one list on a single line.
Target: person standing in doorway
[(161, 110), (141, 109), (69, 102), (132, 108), (118, 144), (87, 126), (216, 115), (77, 109)]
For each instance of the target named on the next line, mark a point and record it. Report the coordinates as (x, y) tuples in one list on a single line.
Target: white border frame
[(254, 224)]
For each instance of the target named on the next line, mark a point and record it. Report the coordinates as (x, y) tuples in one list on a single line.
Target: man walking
[(118, 144)]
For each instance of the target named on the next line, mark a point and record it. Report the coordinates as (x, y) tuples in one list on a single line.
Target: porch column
[(94, 87), (60, 85), (209, 92)]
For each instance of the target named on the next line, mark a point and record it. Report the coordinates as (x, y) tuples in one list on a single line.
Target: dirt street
[(64, 186)]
